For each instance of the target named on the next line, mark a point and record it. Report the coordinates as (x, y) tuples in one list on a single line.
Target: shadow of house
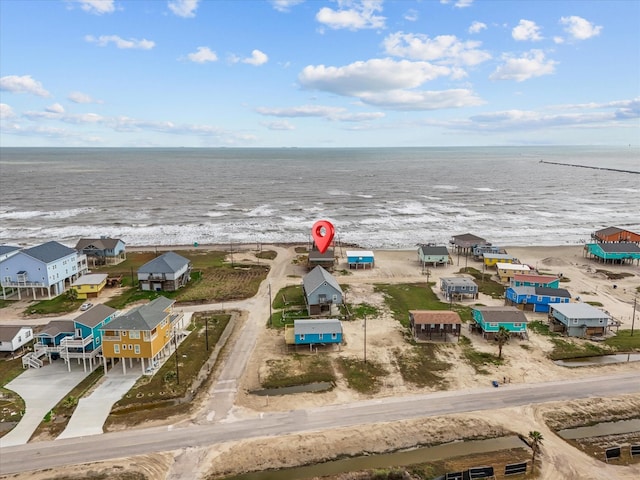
[(435, 325), (321, 291)]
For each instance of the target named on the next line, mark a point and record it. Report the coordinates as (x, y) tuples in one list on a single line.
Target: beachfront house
[(536, 299), (466, 242), (615, 234), (7, 250), (578, 319), (45, 269), (534, 280), (166, 273), (103, 250), (488, 320), (491, 259), (480, 250), (433, 255), (458, 287), (14, 337), (506, 271), (360, 259), (90, 285), (614, 253), (434, 324), (321, 291), (314, 332), (80, 338), (143, 334), (325, 260)]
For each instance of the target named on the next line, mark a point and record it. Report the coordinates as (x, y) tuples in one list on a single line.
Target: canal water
[(599, 360), (396, 459), (601, 429)]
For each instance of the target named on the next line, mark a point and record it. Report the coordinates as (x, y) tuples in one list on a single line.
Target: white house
[(13, 337)]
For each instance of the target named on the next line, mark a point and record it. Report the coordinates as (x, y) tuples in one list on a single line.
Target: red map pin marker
[(323, 240)]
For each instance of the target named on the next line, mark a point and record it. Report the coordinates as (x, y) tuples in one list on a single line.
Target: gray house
[(165, 273), (321, 291), (433, 254), (578, 319), (459, 287)]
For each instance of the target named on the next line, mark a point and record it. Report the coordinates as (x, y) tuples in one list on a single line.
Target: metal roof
[(169, 262), (91, 279), (323, 325), (458, 281), (579, 310)]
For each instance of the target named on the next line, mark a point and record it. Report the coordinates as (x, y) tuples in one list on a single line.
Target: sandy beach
[(586, 278)]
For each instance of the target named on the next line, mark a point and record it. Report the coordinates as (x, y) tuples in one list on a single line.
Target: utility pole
[(175, 342), (365, 339), (270, 317), (633, 318), (206, 332)]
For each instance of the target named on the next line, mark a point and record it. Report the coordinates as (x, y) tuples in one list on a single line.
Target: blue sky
[(296, 73)]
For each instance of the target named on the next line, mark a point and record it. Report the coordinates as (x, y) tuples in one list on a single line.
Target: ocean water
[(376, 198)]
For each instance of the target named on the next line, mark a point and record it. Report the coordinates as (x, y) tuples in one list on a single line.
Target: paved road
[(56, 453)]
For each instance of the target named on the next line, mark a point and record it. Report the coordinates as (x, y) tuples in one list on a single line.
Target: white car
[(86, 306)]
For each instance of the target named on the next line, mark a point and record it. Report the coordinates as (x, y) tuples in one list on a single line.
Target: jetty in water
[(589, 166)]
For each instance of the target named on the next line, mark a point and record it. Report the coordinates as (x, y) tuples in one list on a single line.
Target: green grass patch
[(12, 405), (362, 310), (401, 298), (292, 295), (301, 250), (281, 318), (566, 349), (478, 360), (614, 275), (420, 365), (624, 342), (60, 304), (594, 303), (360, 376), (485, 283), (541, 328), (298, 370), (267, 254)]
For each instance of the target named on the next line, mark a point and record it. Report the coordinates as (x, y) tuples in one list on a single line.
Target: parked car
[(86, 306)]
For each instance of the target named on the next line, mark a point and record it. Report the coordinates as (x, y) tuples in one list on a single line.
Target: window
[(517, 325), (334, 335), (302, 336), (134, 334), (601, 321), (116, 348), (137, 349), (575, 321), (124, 346), (130, 347), (320, 336), (124, 333), (495, 325)]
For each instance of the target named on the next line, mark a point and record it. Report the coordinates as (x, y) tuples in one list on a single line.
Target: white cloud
[(6, 111), (320, 111), (203, 55), (361, 15), (373, 75), (97, 7), (531, 64), (184, 8), (24, 84), (279, 125), (55, 108), (411, 15), (477, 27), (458, 3), (133, 43), (558, 40), (285, 5), (257, 58), (526, 30), (579, 28), (423, 100), (79, 97), (446, 48)]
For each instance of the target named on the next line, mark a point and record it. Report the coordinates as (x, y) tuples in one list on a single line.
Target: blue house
[(536, 299), (321, 291), (490, 319), (46, 268), (534, 280), (579, 319), (458, 287), (103, 250), (314, 332), (360, 259), (80, 338)]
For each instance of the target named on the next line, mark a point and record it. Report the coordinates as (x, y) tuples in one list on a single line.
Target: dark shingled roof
[(620, 247), (144, 317), (169, 262), (99, 243), (430, 250), (316, 277), (502, 314), (95, 315), (49, 252), (4, 249)]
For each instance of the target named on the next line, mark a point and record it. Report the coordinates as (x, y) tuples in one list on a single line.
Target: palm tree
[(502, 337), (536, 442)]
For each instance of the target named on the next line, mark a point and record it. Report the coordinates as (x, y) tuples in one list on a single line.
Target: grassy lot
[(419, 364), (359, 311), (478, 360), (60, 304), (485, 284), (298, 369), (624, 342), (541, 328), (361, 377), (162, 395), (53, 425), (566, 349), (288, 296), (267, 254), (11, 404)]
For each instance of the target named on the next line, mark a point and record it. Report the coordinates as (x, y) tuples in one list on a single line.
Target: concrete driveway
[(92, 411), (41, 389)]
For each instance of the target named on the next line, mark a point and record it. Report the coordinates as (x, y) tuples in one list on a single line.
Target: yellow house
[(90, 285), (506, 271), (143, 334), (491, 259)]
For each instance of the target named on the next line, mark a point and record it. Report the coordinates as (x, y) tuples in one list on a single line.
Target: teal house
[(490, 319), (315, 332), (433, 254), (619, 252)]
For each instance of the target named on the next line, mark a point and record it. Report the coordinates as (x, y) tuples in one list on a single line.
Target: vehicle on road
[(86, 306)]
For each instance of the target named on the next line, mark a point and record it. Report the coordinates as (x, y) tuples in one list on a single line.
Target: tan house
[(427, 325), (143, 335), (506, 271)]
